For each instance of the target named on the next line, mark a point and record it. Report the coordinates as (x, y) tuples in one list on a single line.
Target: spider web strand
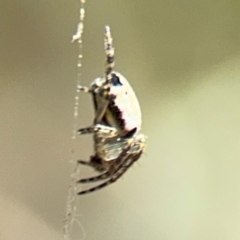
[(71, 216)]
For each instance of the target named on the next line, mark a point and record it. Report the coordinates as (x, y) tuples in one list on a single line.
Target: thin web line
[(72, 222)]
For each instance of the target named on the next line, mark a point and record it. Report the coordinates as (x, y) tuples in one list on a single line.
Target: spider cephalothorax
[(117, 141)]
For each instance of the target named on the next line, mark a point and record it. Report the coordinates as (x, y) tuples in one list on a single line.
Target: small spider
[(116, 125)]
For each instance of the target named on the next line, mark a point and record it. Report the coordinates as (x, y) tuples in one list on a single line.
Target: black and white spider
[(117, 122)]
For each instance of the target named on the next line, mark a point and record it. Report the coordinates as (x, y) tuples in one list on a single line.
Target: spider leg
[(105, 184), (101, 130), (109, 50), (95, 179), (114, 167), (100, 111), (120, 171), (84, 89), (94, 162), (109, 64), (83, 162), (112, 170), (115, 171)]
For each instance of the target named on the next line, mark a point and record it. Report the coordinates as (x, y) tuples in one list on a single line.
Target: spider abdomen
[(123, 111)]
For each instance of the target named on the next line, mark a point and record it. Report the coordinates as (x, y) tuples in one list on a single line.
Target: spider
[(117, 122)]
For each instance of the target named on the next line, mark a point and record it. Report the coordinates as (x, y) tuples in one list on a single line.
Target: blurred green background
[(182, 58)]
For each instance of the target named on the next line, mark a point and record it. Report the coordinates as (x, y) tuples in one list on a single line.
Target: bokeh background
[(183, 60)]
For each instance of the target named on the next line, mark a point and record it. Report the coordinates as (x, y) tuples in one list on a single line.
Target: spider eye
[(116, 81)]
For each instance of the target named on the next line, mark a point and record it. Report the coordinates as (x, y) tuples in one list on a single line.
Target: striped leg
[(122, 169), (113, 168), (101, 130), (109, 50)]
